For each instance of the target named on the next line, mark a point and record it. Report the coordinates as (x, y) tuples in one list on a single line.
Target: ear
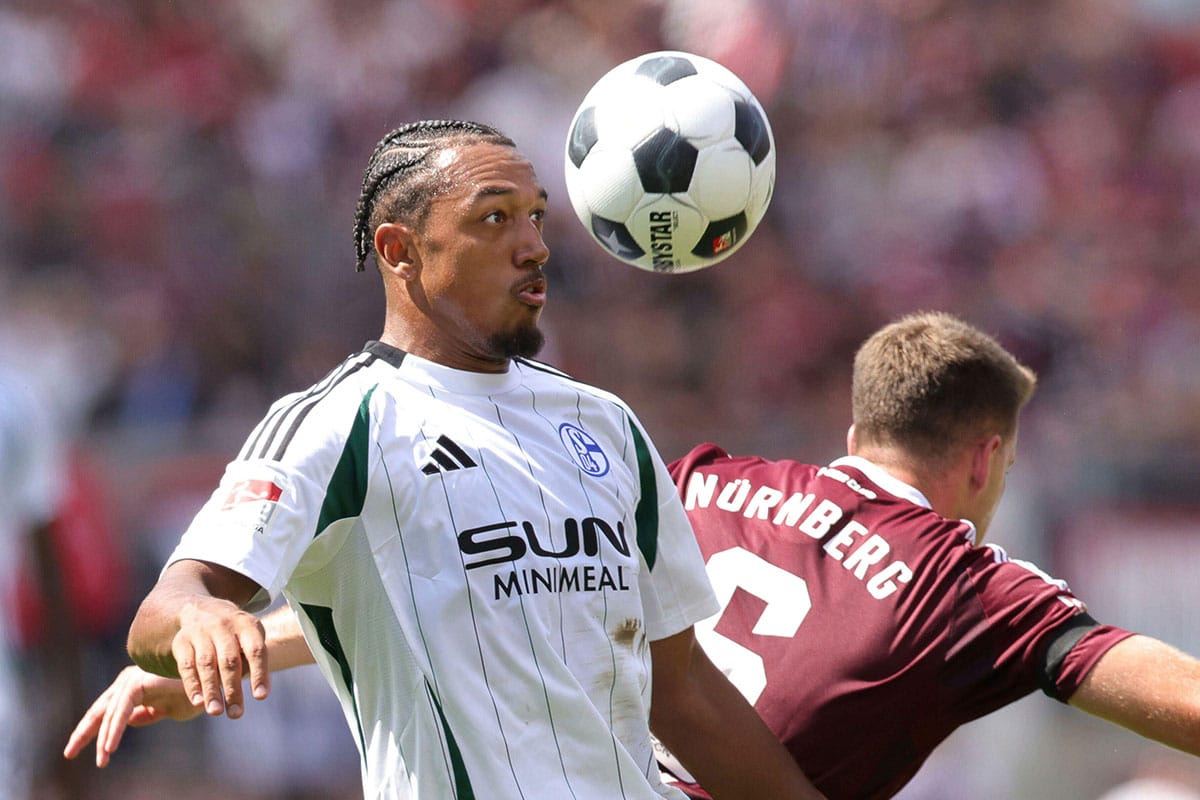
[(851, 441), (396, 245), (983, 460)]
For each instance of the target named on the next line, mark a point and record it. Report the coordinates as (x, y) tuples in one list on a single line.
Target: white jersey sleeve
[(266, 511), (675, 589)]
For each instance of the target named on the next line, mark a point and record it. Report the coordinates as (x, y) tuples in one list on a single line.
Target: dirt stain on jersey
[(627, 632)]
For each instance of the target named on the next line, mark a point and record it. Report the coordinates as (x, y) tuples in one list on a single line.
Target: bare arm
[(1149, 687), (191, 626), (285, 641), (137, 698), (707, 724)]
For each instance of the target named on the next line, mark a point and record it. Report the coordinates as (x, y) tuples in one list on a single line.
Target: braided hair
[(401, 179)]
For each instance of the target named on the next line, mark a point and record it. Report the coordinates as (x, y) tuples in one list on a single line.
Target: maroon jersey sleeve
[(863, 626), (1080, 659)]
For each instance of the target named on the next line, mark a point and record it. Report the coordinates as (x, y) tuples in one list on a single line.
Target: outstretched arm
[(140, 698), (135, 698), (707, 724), (1149, 687), (191, 626)]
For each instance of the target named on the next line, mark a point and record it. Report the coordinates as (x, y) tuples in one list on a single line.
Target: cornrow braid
[(401, 170)]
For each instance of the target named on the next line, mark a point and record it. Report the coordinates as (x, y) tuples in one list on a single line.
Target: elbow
[(149, 654)]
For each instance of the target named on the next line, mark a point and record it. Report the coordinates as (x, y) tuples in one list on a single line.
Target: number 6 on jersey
[(787, 604)]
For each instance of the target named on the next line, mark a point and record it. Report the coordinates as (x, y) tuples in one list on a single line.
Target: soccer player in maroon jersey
[(863, 616)]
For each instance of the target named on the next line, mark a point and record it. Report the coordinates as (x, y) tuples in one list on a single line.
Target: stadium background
[(177, 185)]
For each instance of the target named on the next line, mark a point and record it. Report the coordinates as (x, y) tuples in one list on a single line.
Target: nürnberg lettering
[(863, 553)]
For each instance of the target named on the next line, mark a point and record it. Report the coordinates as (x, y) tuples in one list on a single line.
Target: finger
[(116, 718), (208, 673), (254, 648), (87, 727), (185, 662), (229, 663)]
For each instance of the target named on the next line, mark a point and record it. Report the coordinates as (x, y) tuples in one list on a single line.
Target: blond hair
[(929, 383)]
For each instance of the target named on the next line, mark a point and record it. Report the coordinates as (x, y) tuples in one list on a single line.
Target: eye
[(495, 216), (538, 216)]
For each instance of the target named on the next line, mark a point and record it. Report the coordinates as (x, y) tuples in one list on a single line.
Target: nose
[(533, 250)]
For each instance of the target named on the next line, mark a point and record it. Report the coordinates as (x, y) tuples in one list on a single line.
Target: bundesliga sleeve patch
[(250, 502), (251, 491)]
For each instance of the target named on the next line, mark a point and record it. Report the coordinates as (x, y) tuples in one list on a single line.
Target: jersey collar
[(893, 485), (884, 479), (459, 381)]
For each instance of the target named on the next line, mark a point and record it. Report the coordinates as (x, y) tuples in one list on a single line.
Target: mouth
[(532, 292)]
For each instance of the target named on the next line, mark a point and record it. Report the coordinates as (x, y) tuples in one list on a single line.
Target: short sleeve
[(676, 592)]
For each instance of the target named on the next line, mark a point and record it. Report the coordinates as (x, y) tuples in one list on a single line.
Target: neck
[(939, 485), (437, 352)]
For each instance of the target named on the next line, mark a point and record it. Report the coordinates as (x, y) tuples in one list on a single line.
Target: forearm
[(1149, 687), (286, 646), (706, 723), (189, 593)]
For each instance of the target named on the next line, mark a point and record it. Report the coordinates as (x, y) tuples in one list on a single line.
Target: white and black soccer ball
[(670, 162)]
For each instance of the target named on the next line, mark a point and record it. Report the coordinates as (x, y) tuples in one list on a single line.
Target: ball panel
[(762, 186), (606, 187), (751, 130), (722, 237), (583, 135), (615, 236), (628, 111), (665, 162), (703, 112), (721, 180), (666, 68), (666, 229)]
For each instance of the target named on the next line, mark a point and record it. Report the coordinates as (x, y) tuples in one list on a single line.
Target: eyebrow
[(493, 191)]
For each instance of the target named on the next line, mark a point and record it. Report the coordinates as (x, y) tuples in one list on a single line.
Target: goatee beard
[(522, 343)]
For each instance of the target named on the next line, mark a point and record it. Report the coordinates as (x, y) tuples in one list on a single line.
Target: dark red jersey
[(863, 626)]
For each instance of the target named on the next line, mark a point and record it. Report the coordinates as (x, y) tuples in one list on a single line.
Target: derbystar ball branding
[(662, 238)]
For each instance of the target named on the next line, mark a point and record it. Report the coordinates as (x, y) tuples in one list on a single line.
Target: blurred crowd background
[(177, 189)]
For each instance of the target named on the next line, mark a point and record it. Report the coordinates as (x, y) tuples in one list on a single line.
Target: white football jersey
[(478, 561)]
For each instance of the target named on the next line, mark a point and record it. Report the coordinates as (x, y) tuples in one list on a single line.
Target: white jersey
[(478, 562)]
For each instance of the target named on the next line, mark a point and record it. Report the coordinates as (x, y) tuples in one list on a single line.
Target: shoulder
[(539, 374), (325, 409), (711, 458), (540, 377)]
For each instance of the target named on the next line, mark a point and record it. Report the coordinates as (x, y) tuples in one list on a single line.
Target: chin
[(522, 343)]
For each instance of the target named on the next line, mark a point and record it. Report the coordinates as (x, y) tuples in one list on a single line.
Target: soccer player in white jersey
[(487, 558)]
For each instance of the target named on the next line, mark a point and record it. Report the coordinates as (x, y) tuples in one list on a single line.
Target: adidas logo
[(446, 457)]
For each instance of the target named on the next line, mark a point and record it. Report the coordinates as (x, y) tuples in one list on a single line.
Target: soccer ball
[(670, 162)]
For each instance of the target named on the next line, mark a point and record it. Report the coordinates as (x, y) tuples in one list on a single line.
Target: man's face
[(481, 253)]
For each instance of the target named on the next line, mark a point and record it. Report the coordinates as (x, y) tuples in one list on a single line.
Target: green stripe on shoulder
[(347, 490), (646, 514)]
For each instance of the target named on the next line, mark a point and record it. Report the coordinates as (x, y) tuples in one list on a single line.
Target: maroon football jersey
[(863, 626)]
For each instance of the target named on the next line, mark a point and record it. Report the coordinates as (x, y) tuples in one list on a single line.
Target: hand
[(215, 646), (135, 698)]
